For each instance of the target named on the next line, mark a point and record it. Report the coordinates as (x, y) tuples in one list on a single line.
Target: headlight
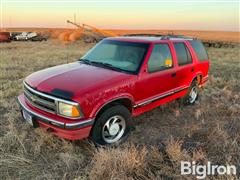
[(68, 110)]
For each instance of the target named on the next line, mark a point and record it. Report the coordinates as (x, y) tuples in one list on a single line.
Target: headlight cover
[(68, 110)]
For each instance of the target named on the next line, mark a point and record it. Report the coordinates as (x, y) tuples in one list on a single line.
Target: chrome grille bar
[(46, 102), (49, 96), (39, 101)]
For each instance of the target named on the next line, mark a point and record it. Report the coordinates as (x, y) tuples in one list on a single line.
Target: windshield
[(118, 55)]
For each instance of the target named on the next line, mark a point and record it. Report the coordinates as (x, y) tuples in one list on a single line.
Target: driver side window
[(160, 58)]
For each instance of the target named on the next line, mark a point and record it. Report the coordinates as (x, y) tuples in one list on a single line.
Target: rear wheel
[(111, 126), (192, 94)]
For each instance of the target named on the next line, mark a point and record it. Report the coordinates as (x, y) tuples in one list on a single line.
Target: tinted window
[(199, 50), (183, 54), (160, 58)]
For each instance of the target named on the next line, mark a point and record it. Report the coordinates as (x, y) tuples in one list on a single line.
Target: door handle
[(192, 70), (173, 74)]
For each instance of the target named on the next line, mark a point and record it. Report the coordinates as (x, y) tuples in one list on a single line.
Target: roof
[(149, 38)]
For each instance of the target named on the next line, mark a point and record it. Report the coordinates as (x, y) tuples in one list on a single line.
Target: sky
[(123, 14)]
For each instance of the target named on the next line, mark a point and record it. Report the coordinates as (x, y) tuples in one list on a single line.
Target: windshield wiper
[(95, 62), (86, 61), (101, 64), (107, 65)]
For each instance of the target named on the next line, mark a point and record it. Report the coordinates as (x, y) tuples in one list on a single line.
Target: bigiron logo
[(201, 171)]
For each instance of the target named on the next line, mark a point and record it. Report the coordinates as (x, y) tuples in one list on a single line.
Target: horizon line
[(130, 29)]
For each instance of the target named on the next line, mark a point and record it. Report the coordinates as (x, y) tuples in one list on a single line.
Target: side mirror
[(168, 63)]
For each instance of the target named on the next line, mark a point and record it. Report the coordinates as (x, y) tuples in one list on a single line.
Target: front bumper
[(57, 125)]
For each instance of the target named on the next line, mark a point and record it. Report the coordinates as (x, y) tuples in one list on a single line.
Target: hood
[(74, 78)]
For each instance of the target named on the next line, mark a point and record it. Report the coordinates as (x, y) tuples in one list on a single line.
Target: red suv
[(118, 79)]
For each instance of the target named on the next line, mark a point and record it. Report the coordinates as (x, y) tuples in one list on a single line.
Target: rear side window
[(183, 54), (160, 58), (199, 50)]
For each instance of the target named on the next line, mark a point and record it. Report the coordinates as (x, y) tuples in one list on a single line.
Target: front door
[(159, 79)]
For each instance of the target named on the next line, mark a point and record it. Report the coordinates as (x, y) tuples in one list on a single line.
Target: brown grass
[(207, 131)]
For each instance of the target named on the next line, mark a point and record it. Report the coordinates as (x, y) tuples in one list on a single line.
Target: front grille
[(40, 100)]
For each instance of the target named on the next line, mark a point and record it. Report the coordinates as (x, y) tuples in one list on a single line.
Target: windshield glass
[(124, 56)]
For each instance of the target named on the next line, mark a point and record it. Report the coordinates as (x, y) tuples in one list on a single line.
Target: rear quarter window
[(199, 50)]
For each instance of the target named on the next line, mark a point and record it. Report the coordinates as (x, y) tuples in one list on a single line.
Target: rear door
[(185, 62)]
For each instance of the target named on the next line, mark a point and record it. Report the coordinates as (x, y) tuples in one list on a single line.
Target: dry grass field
[(160, 139)]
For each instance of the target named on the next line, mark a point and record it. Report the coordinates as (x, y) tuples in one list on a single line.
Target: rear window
[(183, 54), (199, 50)]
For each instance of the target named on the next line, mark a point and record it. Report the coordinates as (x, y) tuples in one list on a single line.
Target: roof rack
[(162, 36), (144, 34)]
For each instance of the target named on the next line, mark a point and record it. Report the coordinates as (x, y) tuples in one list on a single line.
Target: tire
[(106, 132), (192, 95)]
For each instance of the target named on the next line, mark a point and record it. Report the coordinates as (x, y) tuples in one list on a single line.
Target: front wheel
[(112, 126)]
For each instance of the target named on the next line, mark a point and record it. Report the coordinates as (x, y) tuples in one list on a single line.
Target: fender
[(196, 76), (101, 104)]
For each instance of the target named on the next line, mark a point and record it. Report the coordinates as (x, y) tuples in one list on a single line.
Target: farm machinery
[(89, 33)]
